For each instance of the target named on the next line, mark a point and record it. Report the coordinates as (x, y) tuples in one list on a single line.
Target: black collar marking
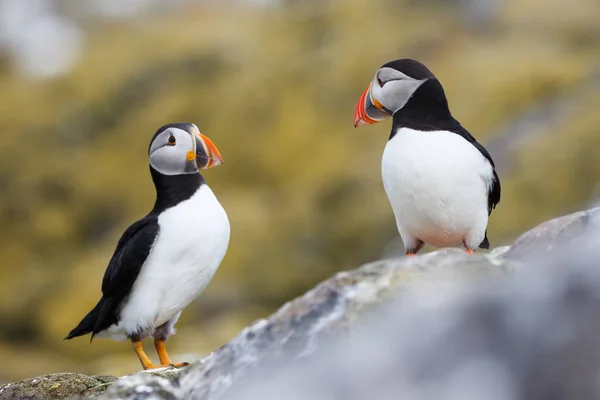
[(173, 189)]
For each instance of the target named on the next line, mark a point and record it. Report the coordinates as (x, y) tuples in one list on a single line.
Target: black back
[(426, 110)]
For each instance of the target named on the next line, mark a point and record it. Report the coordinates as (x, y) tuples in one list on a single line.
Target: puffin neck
[(426, 110), (173, 189)]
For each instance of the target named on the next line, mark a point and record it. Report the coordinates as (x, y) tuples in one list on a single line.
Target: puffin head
[(393, 86), (180, 148)]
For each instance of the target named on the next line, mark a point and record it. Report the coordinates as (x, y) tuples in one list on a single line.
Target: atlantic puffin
[(441, 183), (165, 260)]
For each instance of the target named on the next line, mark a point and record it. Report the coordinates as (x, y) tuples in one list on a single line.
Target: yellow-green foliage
[(275, 89)]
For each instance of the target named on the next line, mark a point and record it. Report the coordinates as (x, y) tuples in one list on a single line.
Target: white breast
[(191, 243), (437, 184)]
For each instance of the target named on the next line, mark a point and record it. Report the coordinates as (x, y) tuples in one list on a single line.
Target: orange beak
[(207, 154), (369, 110)]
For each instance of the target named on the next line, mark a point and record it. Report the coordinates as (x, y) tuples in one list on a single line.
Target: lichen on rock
[(56, 386)]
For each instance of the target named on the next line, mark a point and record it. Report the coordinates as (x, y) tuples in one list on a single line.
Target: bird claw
[(179, 365)]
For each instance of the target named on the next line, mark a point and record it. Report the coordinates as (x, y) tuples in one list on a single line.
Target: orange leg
[(410, 254), (139, 350), (469, 251), (165, 360)]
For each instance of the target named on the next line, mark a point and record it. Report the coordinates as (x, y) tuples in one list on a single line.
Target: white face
[(393, 89), (170, 152)]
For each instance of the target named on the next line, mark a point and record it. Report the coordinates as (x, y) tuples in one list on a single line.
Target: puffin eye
[(381, 83), (172, 140)]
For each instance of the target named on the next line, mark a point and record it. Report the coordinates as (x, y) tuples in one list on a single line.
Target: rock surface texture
[(56, 386), (520, 322)]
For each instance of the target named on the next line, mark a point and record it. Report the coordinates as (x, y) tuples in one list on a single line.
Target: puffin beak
[(369, 110), (207, 154)]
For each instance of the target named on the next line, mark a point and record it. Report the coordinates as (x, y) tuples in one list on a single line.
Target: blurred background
[(85, 84)]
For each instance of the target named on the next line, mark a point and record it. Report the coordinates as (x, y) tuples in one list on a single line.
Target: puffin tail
[(87, 323), (486, 243)]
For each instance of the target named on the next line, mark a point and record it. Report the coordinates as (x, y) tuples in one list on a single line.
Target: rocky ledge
[(518, 322)]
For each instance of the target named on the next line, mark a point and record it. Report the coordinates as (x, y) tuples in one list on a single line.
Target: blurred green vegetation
[(275, 88)]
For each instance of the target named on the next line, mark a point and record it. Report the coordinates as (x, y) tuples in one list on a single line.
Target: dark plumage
[(428, 110), (422, 156), (134, 246), (125, 265), (163, 261)]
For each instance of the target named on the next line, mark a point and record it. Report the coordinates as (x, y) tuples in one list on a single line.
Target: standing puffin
[(441, 183), (166, 259)]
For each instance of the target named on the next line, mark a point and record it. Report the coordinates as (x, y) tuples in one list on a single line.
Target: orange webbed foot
[(179, 365), (470, 251), (165, 361), (161, 350), (155, 366)]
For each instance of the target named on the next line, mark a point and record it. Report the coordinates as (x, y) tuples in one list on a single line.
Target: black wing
[(124, 267), (494, 191)]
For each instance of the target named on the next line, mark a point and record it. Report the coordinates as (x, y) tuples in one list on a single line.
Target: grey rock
[(300, 327), (439, 325), (80, 386), (531, 336), (146, 386), (554, 236)]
